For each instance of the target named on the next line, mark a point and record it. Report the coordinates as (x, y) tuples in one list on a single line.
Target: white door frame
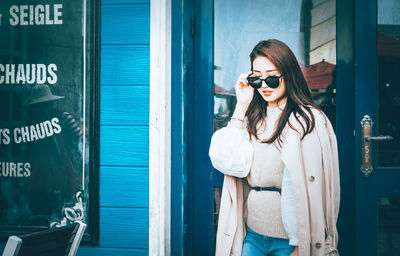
[(160, 128)]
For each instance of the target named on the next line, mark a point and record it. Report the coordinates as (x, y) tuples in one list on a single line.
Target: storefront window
[(46, 120)]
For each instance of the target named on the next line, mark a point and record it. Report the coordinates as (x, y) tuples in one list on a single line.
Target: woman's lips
[(267, 93)]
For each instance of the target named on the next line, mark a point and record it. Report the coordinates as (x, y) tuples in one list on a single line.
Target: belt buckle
[(257, 188)]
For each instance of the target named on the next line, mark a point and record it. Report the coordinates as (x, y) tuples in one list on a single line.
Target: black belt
[(267, 188)]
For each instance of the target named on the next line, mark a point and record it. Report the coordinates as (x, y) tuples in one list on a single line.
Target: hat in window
[(41, 93)]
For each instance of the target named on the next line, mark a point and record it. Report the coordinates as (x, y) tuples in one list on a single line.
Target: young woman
[(279, 155)]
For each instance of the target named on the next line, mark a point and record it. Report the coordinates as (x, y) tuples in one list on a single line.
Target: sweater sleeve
[(231, 152), (288, 208)]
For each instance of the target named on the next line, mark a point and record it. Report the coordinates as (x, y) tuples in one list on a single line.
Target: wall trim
[(160, 128)]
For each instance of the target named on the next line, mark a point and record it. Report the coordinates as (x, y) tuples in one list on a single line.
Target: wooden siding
[(124, 65), (124, 142), (323, 31), (114, 102)]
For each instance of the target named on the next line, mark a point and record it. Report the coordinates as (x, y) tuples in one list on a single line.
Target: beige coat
[(314, 168)]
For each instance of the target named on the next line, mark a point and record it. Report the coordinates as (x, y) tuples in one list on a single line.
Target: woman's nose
[(263, 84)]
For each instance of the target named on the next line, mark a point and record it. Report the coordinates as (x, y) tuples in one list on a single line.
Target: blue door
[(377, 123), (223, 37), (350, 55)]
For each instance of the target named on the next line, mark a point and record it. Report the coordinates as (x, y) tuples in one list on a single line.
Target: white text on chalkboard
[(25, 15), (36, 132), (28, 73), (4, 136), (15, 170)]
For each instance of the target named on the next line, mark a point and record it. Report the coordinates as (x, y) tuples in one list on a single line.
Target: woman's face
[(262, 67)]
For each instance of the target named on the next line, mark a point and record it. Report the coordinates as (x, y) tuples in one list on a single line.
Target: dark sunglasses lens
[(272, 81), (254, 82)]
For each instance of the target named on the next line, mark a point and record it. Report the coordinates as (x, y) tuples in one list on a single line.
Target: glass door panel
[(388, 93), (388, 56), (388, 225), (307, 27)]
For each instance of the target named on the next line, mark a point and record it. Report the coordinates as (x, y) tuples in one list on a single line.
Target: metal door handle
[(378, 138), (366, 145)]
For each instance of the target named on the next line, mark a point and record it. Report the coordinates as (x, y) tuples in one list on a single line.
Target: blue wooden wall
[(124, 142)]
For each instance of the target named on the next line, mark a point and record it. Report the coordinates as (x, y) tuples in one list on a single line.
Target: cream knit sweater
[(263, 208)]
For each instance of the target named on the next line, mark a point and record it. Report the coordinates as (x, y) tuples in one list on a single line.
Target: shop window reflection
[(321, 80), (388, 40)]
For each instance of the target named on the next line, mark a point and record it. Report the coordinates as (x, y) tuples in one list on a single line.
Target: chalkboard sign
[(46, 121)]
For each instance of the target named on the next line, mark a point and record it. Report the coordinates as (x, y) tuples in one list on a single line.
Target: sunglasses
[(256, 82)]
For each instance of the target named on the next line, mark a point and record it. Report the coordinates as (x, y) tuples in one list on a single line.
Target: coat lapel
[(291, 156), (331, 183)]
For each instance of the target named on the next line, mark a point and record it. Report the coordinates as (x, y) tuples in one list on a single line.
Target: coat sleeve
[(231, 152)]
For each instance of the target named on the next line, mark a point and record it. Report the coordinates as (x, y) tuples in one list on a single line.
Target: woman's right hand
[(244, 92), (295, 252)]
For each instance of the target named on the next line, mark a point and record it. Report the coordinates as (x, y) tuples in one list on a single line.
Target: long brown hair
[(297, 92)]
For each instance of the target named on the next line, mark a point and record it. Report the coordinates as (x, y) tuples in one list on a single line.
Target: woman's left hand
[(295, 252)]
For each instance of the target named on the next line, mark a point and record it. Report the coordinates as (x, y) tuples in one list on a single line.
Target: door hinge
[(192, 25)]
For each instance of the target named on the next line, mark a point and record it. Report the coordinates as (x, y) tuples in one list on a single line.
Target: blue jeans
[(255, 244)]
